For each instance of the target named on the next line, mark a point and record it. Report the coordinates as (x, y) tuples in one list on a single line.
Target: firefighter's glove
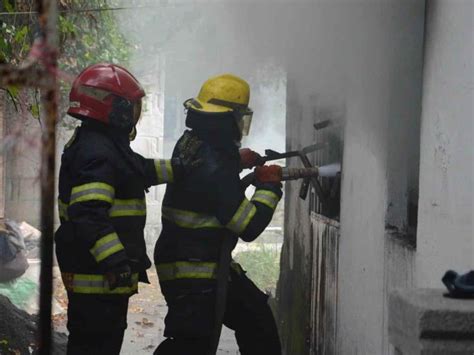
[(268, 174), (249, 159), (269, 178), (188, 148), (119, 276)]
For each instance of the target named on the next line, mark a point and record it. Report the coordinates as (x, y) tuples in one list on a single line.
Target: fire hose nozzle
[(298, 173)]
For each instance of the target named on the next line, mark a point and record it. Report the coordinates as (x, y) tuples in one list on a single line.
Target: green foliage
[(262, 265), (8, 6), (86, 36), (90, 37)]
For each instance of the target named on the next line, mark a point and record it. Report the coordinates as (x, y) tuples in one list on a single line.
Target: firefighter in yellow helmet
[(200, 214)]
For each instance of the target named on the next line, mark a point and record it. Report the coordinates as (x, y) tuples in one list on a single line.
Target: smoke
[(194, 40), (275, 45), (330, 170)]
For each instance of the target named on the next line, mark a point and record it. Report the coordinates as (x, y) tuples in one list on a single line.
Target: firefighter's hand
[(119, 276), (249, 158), (268, 174)]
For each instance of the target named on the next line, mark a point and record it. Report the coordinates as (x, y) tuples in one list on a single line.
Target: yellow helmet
[(224, 93)]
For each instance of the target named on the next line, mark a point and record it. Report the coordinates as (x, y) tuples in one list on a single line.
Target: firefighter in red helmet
[(100, 243)]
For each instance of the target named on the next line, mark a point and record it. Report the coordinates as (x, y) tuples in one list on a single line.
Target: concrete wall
[(367, 58), (149, 141), (22, 163), (445, 227), (385, 93), (384, 88)]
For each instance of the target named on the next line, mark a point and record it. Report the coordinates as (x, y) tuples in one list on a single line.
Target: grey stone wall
[(422, 321)]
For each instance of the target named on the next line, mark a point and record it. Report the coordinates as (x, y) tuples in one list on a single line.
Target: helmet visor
[(244, 121)]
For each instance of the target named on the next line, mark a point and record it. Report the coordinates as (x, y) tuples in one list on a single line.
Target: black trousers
[(247, 313), (96, 324)]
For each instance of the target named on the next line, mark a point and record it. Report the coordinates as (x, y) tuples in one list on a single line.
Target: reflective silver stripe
[(124, 208), (106, 246), (268, 198), (164, 171), (189, 219), (95, 284), (62, 207), (120, 208), (186, 270), (242, 217), (92, 191)]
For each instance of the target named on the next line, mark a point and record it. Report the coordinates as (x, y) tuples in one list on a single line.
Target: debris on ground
[(18, 332)]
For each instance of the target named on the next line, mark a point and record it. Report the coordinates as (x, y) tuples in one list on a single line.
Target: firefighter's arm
[(163, 171), (246, 218), (92, 197)]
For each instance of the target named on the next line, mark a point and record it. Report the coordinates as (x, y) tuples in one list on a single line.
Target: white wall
[(383, 92), (149, 140), (367, 58), (22, 165), (445, 220)]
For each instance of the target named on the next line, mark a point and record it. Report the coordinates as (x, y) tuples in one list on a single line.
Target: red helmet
[(95, 88)]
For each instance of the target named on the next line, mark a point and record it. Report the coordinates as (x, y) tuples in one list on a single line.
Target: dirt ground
[(145, 321)]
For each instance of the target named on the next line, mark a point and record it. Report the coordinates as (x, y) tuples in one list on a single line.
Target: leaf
[(14, 91), (8, 6), (35, 111), (66, 26), (21, 34)]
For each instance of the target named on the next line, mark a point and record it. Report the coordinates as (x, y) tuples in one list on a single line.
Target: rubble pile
[(18, 331), (19, 290)]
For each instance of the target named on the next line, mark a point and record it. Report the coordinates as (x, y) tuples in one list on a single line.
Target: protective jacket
[(197, 213), (102, 208)]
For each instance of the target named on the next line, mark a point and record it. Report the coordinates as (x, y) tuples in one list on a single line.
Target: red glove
[(249, 158), (268, 173)]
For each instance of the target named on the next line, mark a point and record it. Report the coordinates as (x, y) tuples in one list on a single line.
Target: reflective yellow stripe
[(120, 208), (164, 171), (125, 208), (189, 219), (92, 191), (95, 284), (186, 270), (62, 207), (242, 217), (268, 198), (106, 246)]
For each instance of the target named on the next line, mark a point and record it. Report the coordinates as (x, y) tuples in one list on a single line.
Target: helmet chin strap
[(133, 134)]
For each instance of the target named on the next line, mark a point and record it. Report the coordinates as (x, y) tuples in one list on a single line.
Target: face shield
[(243, 114), (244, 121)]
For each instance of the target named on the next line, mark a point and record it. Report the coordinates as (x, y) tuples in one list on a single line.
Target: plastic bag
[(13, 261)]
